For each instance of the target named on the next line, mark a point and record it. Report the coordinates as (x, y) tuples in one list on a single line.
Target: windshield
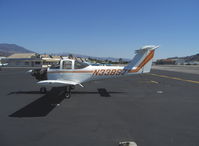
[(55, 65), (80, 65), (67, 64)]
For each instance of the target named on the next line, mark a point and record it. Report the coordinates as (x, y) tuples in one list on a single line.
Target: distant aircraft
[(4, 64), (69, 73)]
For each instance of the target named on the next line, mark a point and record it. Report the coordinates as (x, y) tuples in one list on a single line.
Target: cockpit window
[(55, 66), (67, 64), (80, 65)]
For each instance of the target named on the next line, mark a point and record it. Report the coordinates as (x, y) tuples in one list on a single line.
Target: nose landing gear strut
[(68, 91), (43, 90)]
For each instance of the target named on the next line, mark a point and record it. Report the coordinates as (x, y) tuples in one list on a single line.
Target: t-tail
[(142, 61)]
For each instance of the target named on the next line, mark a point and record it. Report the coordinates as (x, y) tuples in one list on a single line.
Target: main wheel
[(43, 90)]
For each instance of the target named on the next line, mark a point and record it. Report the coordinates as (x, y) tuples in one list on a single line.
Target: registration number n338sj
[(111, 72)]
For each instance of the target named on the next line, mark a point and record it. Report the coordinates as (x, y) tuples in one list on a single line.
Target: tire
[(43, 90), (68, 95)]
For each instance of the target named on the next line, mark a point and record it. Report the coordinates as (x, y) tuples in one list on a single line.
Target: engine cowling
[(40, 74)]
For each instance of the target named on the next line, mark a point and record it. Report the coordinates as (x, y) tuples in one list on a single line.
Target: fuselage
[(89, 73), (70, 72)]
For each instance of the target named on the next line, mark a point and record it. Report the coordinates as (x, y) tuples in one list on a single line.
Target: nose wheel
[(68, 92)]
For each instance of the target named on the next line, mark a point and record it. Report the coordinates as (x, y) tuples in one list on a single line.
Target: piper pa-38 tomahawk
[(69, 73)]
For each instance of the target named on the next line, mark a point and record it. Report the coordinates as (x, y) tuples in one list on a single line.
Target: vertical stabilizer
[(142, 61)]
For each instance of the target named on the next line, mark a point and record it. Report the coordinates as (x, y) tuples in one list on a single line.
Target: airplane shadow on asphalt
[(45, 104)]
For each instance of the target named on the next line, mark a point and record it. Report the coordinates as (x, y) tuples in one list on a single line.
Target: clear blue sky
[(112, 28)]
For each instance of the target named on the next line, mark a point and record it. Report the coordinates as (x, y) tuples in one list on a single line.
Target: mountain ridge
[(188, 58), (8, 49)]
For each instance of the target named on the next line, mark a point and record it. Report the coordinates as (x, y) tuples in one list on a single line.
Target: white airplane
[(69, 73), (4, 64)]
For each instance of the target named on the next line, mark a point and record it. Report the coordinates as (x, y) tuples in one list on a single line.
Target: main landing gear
[(68, 91)]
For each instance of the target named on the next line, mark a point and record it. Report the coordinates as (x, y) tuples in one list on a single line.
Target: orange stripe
[(71, 72), (144, 62), (147, 59)]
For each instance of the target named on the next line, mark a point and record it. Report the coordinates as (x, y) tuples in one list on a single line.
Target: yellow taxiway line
[(154, 82), (175, 78)]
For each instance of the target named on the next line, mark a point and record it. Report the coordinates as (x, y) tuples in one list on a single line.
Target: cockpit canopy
[(55, 66), (80, 65), (69, 64)]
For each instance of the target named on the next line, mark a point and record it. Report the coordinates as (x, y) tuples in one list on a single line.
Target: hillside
[(188, 58), (93, 57), (8, 49), (192, 58)]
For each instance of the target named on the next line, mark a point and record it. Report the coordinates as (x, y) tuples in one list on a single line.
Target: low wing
[(57, 83)]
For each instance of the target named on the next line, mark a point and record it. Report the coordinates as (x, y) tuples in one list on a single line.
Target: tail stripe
[(144, 62)]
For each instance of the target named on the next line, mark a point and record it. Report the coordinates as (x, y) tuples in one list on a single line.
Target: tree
[(70, 56), (120, 60)]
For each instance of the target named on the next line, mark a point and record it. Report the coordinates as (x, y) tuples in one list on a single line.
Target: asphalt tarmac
[(193, 69), (157, 109)]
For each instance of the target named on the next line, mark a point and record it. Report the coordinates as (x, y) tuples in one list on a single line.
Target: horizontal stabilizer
[(146, 48)]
